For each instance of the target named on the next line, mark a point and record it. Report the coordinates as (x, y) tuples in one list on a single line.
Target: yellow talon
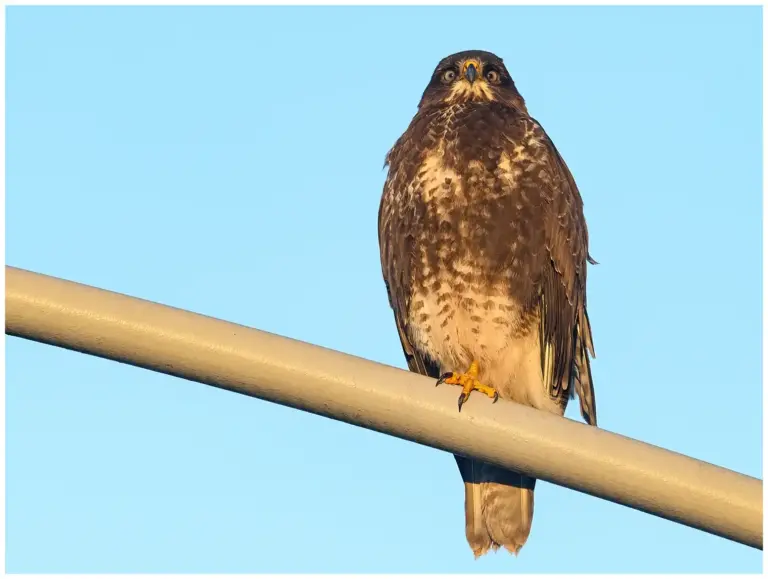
[(468, 382)]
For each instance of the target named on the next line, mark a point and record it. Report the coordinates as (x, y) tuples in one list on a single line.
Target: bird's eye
[(448, 76), (492, 76)]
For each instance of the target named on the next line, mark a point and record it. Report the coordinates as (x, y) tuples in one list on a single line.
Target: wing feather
[(396, 249), (566, 335)]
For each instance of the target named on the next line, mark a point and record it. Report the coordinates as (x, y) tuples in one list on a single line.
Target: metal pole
[(383, 398)]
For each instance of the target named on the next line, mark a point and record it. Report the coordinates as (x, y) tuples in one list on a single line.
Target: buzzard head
[(471, 76)]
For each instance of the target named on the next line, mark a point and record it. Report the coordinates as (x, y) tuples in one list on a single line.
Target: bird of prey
[(484, 254)]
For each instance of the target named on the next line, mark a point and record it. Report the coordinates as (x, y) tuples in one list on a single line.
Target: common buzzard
[(484, 254)]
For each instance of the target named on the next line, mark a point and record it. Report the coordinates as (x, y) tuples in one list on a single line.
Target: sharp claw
[(462, 400), (495, 397), (443, 378)]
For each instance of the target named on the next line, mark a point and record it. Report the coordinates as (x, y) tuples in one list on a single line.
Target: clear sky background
[(229, 161)]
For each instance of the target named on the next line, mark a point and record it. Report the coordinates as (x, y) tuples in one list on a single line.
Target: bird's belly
[(455, 323)]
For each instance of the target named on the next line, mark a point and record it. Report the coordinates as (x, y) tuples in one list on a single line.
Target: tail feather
[(498, 506)]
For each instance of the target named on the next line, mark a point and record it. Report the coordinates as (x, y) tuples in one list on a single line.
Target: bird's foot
[(468, 382)]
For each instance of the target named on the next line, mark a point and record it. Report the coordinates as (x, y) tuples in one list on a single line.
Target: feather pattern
[(484, 250)]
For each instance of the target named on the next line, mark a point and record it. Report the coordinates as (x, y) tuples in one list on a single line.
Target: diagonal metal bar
[(383, 398)]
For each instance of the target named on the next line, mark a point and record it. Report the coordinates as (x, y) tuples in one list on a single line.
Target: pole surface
[(386, 399)]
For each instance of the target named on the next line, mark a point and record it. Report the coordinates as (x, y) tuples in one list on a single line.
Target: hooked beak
[(471, 73)]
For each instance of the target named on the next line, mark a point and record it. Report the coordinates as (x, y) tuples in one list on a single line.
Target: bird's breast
[(474, 229), (478, 221)]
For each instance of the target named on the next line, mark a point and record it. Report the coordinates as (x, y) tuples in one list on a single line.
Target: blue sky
[(229, 161)]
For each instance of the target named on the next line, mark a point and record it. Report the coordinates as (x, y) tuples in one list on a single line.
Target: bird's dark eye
[(448, 76), (493, 76)]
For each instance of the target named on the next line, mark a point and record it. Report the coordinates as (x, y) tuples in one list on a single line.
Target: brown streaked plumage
[(484, 254)]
